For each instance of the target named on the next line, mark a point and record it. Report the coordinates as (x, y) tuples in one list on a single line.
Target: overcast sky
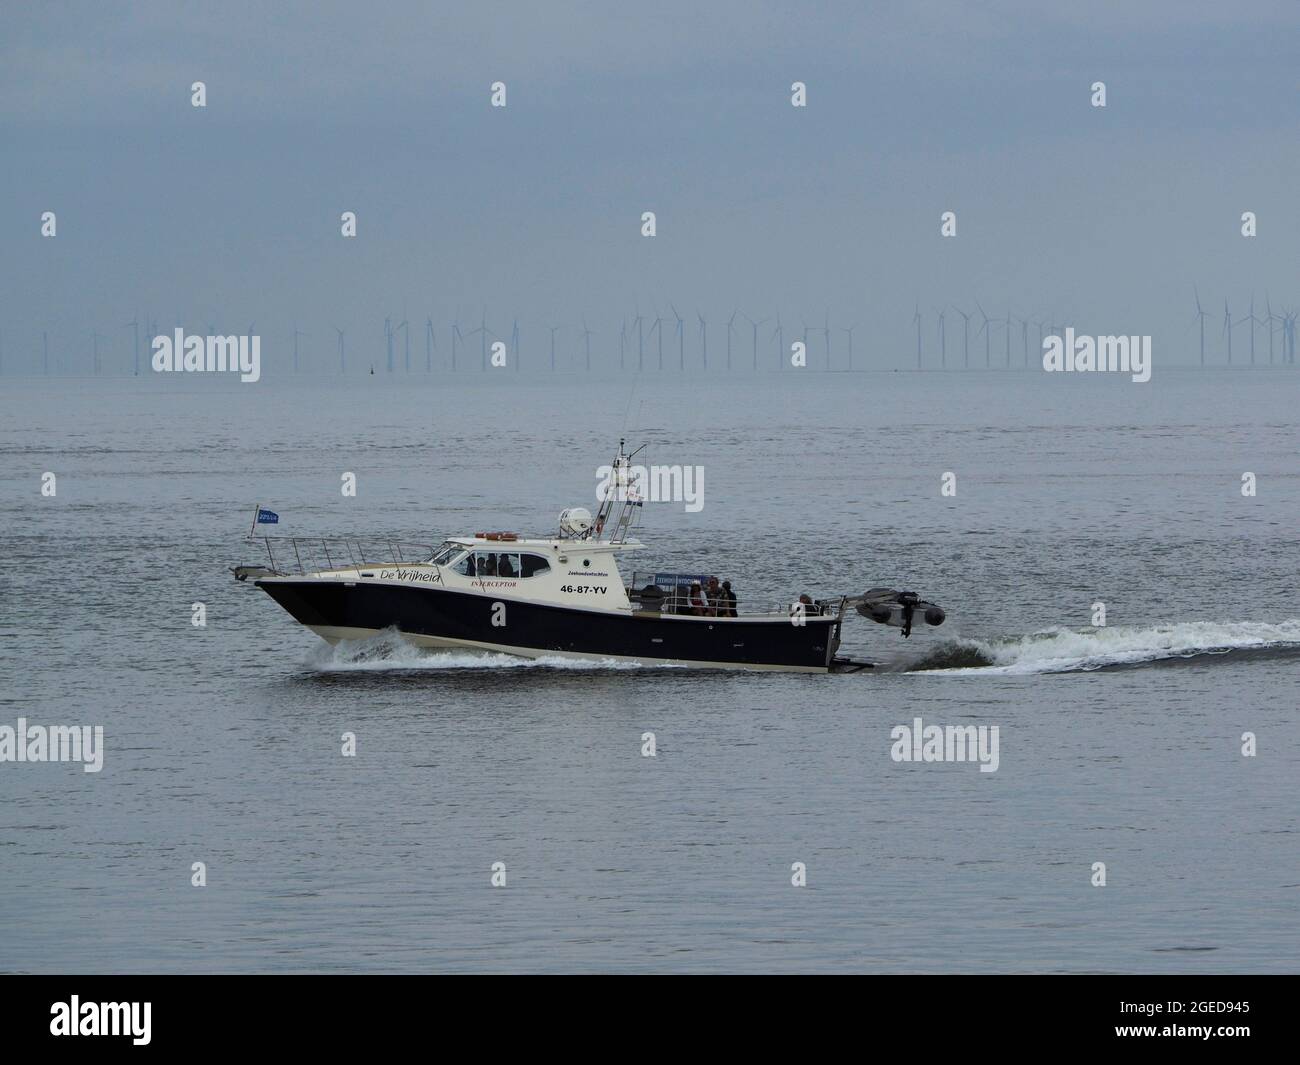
[(229, 215)]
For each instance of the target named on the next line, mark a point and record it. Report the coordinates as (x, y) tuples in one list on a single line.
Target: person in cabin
[(696, 604), (728, 601), (713, 595), (488, 566), (504, 568)]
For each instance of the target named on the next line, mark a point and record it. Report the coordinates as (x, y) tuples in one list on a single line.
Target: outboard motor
[(885, 606)]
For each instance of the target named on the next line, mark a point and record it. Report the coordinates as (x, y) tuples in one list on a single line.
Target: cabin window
[(533, 565), (504, 564), (497, 564)]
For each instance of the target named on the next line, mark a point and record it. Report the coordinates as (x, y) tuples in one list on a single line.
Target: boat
[(563, 596)]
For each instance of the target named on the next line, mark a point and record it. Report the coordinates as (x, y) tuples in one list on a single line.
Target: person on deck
[(695, 603), (728, 601), (810, 608), (714, 596)]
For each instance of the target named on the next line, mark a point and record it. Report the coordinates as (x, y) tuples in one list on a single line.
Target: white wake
[(389, 651), (1061, 650)]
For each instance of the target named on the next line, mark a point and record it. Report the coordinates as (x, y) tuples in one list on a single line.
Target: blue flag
[(267, 517)]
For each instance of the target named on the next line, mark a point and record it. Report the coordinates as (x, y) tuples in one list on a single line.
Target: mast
[(624, 490)]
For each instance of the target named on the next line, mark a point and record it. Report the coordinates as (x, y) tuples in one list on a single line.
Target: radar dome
[(576, 521)]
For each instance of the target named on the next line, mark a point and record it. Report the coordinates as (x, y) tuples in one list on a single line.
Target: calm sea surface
[(1119, 745)]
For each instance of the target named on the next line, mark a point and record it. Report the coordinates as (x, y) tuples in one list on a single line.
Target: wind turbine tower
[(1201, 316)]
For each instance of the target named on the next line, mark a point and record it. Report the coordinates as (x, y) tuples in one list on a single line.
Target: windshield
[(445, 554)]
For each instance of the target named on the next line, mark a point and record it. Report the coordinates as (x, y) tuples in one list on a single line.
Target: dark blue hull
[(441, 617)]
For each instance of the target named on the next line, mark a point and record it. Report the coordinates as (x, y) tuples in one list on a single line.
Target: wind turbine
[(1271, 317), (45, 351), (388, 341), (730, 322), (681, 338), (658, 327), (988, 333), (704, 338), (134, 323), (849, 331), (554, 328), (943, 342), (1201, 315), (514, 341), (778, 334), (586, 336), (755, 326), (639, 322), (483, 332), (296, 334), (622, 343), (1227, 329), (916, 320), (1253, 321), (1008, 338), (456, 335), (965, 334), (405, 329), (430, 342), (95, 338), (1024, 336), (826, 330), (343, 362)]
